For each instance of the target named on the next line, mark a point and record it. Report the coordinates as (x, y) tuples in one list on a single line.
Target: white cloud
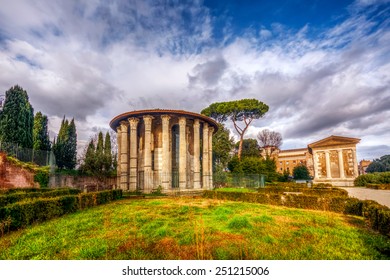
[(94, 60)]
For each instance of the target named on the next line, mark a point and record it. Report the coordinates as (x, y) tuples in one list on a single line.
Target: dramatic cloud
[(92, 60)]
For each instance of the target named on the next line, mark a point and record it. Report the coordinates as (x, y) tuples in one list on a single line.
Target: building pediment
[(334, 141)]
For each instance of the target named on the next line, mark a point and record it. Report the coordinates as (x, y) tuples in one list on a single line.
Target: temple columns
[(205, 157), (341, 163), (124, 157), (197, 184), (211, 130), (148, 178), (327, 161), (133, 153), (182, 154), (165, 152), (316, 171), (118, 141)]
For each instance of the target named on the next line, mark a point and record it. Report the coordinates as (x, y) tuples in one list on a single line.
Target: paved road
[(381, 196)]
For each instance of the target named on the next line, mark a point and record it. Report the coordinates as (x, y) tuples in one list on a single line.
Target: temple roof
[(158, 112), (334, 141)]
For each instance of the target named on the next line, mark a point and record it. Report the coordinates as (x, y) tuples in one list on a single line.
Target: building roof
[(334, 141), (158, 112)]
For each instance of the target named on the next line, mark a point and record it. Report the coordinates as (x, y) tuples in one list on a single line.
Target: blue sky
[(323, 67)]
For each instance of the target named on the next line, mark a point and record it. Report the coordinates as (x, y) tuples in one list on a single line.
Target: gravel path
[(380, 196)]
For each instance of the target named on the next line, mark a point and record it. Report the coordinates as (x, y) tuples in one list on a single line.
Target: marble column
[(124, 157), (355, 164), (341, 163), (211, 130), (316, 171), (205, 157), (327, 161), (197, 184), (148, 176), (118, 171), (182, 153), (166, 173), (133, 153)]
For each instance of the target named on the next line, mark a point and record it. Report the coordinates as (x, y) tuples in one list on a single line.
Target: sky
[(323, 67)]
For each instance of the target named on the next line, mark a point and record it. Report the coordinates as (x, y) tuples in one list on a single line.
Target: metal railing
[(39, 157)]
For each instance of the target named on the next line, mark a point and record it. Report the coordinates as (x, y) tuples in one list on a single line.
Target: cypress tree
[(107, 153), (65, 149), (17, 118), (40, 133)]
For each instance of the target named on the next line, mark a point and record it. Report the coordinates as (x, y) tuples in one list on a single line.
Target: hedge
[(19, 196), (378, 216), (27, 212)]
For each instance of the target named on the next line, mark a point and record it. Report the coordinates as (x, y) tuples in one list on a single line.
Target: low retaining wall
[(85, 183)]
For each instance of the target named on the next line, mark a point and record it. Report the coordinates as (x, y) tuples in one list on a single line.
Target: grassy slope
[(186, 228)]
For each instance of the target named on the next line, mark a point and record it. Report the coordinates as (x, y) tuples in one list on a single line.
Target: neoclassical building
[(167, 148), (331, 160)]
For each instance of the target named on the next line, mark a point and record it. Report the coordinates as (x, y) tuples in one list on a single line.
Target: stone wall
[(12, 176), (85, 183)]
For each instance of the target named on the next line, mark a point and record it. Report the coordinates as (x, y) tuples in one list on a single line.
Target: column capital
[(133, 122), (148, 119), (182, 121), (165, 118), (196, 123), (123, 126), (118, 129), (211, 130)]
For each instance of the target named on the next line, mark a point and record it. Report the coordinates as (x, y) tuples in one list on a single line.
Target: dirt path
[(381, 196)]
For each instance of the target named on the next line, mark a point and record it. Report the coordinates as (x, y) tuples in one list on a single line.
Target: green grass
[(188, 228), (236, 190)]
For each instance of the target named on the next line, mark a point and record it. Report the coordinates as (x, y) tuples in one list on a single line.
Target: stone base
[(336, 182)]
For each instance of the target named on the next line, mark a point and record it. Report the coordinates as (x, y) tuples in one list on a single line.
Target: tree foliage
[(300, 172), (40, 133), (17, 118), (250, 148), (244, 110), (222, 147), (379, 165), (98, 160), (65, 146), (254, 165)]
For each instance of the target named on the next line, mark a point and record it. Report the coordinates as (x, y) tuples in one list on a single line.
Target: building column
[(327, 161), (355, 163), (165, 153), (148, 174), (124, 157), (196, 155), (118, 169), (341, 163), (205, 157), (182, 153), (133, 153), (211, 130), (316, 171)]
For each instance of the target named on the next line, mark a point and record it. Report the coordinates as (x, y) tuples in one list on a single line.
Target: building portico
[(334, 160)]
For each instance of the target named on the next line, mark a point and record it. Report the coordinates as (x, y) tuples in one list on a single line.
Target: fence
[(39, 157), (238, 180)]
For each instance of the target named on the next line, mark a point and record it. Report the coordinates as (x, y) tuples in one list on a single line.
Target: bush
[(27, 212), (42, 177), (15, 197), (372, 178)]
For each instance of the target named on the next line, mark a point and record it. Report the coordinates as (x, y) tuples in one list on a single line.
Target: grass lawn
[(188, 228)]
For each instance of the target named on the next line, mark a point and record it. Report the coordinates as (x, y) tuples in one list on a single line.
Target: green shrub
[(372, 178), (24, 213), (42, 177)]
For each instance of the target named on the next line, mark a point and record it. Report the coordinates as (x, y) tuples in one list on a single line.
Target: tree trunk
[(240, 146)]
